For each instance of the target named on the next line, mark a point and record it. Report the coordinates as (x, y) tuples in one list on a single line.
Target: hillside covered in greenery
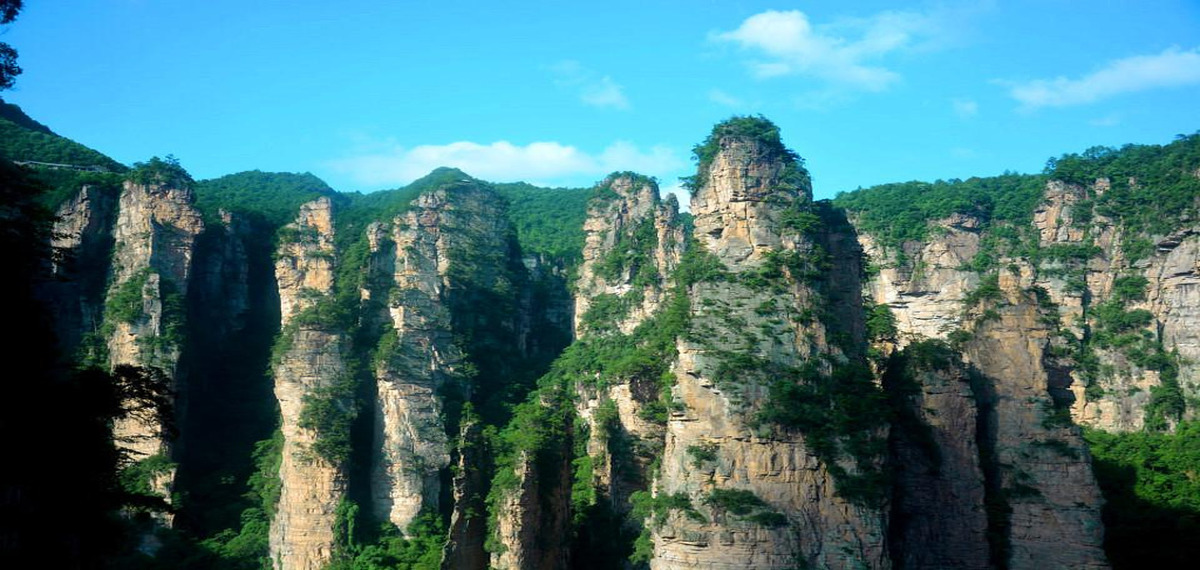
[(1151, 188), (23, 139)]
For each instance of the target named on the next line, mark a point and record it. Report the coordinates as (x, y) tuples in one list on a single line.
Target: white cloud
[(845, 52), (502, 161), (965, 108), (724, 99), (681, 194), (1171, 68), (592, 88)]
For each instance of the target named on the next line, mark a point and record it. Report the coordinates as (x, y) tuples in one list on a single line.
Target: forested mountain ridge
[(460, 374)]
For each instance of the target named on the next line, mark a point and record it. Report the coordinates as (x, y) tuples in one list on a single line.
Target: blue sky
[(369, 95)]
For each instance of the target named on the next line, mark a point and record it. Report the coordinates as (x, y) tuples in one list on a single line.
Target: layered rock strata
[(1082, 258), (312, 363), (154, 238), (759, 498)]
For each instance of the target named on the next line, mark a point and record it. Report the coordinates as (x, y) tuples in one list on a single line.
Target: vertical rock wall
[(939, 517), (313, 359), (153, 244), (1043, 468), (713, 448), (1083, 257)]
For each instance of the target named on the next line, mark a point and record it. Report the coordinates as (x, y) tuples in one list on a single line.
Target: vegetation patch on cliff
[(757, 129)]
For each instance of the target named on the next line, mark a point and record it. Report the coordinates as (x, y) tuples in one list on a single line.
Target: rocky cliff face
[(1043, 471), (448, 240), (1085, 271), (154, 237), (82, 238), (721, 406), (747, 494), (939, 517), (633, 243), (307, 373)]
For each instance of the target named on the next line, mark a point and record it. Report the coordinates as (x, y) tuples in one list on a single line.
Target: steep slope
[(24, 139)]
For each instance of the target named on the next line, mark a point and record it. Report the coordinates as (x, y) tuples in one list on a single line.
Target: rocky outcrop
[(1117, 394), (154, 237), (468, 531), (1015, 332), (925, 293), (309, 369), (1042, 467), (533, 522), (82, 242), (633, 243), (744, 494), (1082, 258), (436, 243), (938, 517)]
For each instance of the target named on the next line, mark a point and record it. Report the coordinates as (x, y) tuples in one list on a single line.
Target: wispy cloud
[(592, 88), (965, 108), (547, 162), (724, 99), (1106, 121), (681, 193), (1171, 68), (846, 52)]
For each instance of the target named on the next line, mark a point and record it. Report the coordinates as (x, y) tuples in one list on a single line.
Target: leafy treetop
[(160, 171), (1152, 186), (898, 212), (276, 196), (755, 128)]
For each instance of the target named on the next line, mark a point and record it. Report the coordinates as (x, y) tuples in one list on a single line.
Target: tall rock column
[(738, 488), (450, 331), (310, 379), (633, 243), (154, 241)]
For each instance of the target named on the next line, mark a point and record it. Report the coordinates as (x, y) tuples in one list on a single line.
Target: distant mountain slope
[(24, 139), (274, 195), (549, 221)]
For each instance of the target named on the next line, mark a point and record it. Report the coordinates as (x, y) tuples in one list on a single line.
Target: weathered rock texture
[(938, 518), (302, 533), (926, 294), (450, 239), (1083, 257), (533, 522), (630, 233), (1042, 464), (634, 242), (154, 237), (742, 217)]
